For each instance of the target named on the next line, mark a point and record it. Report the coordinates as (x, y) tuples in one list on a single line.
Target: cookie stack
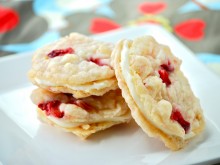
[(78, 91), (83, 84)]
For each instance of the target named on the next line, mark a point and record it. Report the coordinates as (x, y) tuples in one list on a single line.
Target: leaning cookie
[(158, 94), (74, 64), (82, 117)]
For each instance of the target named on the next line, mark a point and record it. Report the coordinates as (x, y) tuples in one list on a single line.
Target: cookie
[(75, 64), (157, 92), (82, 117)]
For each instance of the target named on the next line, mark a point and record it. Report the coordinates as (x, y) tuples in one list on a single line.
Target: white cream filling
[(81, 117), (127, 76), (66, 124), (96, 85), (124, 64), (62, 123)]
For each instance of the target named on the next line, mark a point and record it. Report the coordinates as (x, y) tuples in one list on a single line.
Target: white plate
[(24, 140)]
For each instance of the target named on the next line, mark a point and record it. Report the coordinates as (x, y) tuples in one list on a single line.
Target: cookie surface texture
[(74, 64), (82, 117), (157, 92)]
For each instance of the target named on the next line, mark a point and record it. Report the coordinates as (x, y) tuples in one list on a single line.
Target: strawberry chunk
[(60, 52), (168, 67), (80, 103), (164, 76), (177, 116), (52, 108), (84, 105), (97, 61)]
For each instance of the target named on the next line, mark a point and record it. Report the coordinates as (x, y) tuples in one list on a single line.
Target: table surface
[(26, 25), (25, 140)]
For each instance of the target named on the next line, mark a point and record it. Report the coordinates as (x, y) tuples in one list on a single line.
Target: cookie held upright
[(158, 94)]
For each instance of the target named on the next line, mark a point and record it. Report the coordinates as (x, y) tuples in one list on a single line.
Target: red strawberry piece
[(52, 108), (9, 19), (97, 61), (164, 76), (192, 29), (72, 101), (177, 116), (42, 106), (80, 103), (167, 66), (152, 7), (83, 105), (99, 25), (60, 52)]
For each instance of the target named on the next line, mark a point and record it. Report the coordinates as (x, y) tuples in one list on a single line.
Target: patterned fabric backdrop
[(27, 25)]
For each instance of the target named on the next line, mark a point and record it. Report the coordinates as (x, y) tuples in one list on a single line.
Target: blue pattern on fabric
[(209, 57), (44, 39), (48, 6), (191, 7), (106, 11)]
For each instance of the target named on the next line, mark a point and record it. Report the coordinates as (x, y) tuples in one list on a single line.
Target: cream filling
[(86, 118), (66, 124), (95, 85), (124, 64)]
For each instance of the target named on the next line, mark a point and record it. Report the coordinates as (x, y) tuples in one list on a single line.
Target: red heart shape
[(192, 29), (152, 7), (8, 19), (99, 25)]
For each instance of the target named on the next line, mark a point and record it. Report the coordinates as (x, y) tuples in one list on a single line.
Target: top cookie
[(74, 64), (157, 92)]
